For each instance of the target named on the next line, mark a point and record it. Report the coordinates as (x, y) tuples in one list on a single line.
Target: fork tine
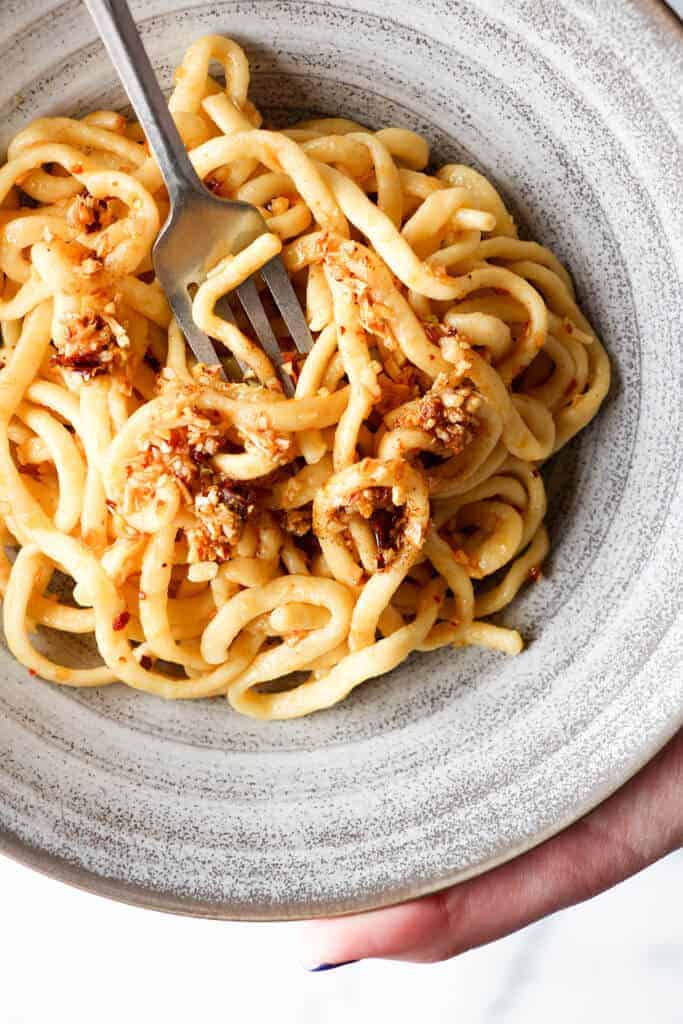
[(224, 311), (251, 302), (277, 279), (222, 308), (200, 344)]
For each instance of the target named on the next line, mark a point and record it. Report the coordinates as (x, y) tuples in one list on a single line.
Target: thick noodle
[(221, 539)]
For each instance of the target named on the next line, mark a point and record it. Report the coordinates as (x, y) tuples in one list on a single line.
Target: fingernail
[(330, 967)]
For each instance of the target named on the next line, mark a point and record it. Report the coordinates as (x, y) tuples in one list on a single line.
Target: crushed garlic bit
[(366, 500), (174, 453), (86, 213), (91, 265), (278, 206), (94, 343), (447, 412), (277, 447), (349, 264), (453, 345), (395, 393), (221, 510), (298, 521), (386, 520), (179, 453)]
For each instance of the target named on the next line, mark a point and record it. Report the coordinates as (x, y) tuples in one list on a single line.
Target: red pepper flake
[(146, 662), (569, 328), (535, 573), (32, 672), (121, 621), (292, 363)]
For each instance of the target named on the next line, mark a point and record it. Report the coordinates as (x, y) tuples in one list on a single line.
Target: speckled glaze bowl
[(460, 759)]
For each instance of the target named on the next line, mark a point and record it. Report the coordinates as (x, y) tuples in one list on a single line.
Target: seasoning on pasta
[(220, 537)]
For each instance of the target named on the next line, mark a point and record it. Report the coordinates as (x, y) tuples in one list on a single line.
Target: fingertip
[(329, 967), (322, 943), (397, 932)]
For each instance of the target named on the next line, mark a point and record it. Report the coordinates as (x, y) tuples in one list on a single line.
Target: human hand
[(641, 823)]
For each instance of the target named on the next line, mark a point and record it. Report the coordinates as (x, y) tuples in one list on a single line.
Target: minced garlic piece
[(180, 455), (93, 344), (447, 412), (86, 213)]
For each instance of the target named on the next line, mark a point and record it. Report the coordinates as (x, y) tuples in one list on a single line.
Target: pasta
[(216, 538)]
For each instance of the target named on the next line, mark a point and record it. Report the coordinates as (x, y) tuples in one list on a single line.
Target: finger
[(467, 915), (633, 828)]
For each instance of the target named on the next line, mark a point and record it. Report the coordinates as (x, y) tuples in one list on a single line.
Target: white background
[(70, 958)]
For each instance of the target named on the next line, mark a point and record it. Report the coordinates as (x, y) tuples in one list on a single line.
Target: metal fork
[(199, 222)]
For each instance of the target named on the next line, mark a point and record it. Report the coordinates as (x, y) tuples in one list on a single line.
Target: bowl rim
[(134, 895), (70, 873)]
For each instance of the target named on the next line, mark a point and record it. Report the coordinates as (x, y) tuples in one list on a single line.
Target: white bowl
[(460, 759)]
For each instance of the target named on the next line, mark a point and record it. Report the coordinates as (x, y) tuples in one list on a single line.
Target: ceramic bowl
[(460, 759)]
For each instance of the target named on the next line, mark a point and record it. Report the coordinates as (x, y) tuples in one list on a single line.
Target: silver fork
[(199, 222)]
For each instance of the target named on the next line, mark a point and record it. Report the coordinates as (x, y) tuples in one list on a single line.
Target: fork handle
[(118, 31)]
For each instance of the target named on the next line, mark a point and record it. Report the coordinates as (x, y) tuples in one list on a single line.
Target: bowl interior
[(459, 757)]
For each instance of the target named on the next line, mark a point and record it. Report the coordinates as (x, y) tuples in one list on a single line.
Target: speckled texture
[(459, 759)]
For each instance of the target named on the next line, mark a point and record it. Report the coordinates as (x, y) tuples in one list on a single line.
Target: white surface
[(71, 958)]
